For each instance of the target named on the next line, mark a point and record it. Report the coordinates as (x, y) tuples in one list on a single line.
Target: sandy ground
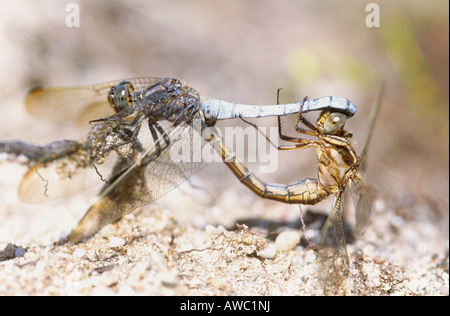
[(187, 243), (152, 253)]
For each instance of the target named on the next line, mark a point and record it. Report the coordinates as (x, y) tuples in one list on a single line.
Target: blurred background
[(243, 51)]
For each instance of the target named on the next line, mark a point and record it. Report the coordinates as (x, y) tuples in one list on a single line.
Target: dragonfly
[(339, 167), (134, 164)]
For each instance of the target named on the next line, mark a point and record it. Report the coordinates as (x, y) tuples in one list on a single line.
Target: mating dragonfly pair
[(131, 150)]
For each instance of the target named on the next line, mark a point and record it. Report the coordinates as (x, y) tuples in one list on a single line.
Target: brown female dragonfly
[(339, 167)]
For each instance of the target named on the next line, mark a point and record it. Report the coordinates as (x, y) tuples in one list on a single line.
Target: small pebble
[(79, 253), (268, 252), (444, 290), (287, 240), (19, 252), (170, 278), (6, 250), (116, 242)]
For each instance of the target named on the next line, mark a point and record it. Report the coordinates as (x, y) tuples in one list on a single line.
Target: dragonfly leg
[(160, 144), (300, 118), (303, 143), (165, 136)]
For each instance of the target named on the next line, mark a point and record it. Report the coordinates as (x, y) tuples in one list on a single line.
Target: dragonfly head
[(120, 97), (332, 123)]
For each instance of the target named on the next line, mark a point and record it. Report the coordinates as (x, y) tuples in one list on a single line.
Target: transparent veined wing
[(362, 195), (145, 180), (76, 105)]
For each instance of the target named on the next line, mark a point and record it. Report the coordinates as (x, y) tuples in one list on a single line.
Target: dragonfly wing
[(62, 170), (372, 117), (362, 196), (144, 181), (44, 183), (66, 167), (333, 258), (332, 235), (76, 105)]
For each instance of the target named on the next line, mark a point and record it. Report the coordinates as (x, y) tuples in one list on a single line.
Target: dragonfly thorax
[(335, 163), (170, 100)]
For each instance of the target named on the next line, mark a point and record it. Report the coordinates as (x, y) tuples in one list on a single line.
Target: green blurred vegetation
[(421, 89), (306, 65)]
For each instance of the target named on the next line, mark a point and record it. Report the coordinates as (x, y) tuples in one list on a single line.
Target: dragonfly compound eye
[(334, 123), (120, 96)]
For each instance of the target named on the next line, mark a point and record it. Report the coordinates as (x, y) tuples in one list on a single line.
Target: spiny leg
[(313, 130), (154, 128), (303, 142), (300, 118)]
